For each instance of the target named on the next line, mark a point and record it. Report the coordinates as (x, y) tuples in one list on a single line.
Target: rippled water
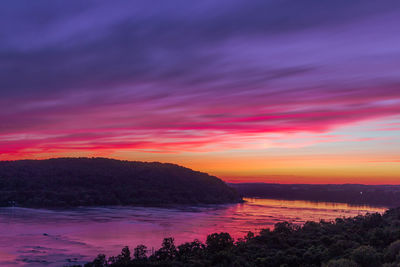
[(38, 237)]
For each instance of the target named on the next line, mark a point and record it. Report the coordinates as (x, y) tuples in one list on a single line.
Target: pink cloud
[(187, 125)]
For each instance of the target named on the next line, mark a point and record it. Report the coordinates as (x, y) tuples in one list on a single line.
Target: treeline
[(68, 182), (384, 195), (372, 240)]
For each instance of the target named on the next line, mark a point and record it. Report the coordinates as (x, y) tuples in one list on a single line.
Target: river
[(40, 237)]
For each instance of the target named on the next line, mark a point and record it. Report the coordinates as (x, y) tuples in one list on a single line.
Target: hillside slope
[(66, 182)]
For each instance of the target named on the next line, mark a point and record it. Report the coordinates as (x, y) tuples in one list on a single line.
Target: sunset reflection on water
[(51, 237)]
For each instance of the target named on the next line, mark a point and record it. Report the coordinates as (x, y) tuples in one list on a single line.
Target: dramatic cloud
[(177, 76)]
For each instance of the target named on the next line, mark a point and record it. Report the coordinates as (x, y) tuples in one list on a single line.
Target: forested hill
[(66, 182)]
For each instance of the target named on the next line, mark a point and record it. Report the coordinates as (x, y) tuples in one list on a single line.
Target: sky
[(259, 91)]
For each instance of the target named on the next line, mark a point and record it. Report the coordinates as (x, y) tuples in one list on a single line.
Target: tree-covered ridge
[(66, 182), (372, 240)]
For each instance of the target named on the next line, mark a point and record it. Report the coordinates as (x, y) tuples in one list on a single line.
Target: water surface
[(39, 237)]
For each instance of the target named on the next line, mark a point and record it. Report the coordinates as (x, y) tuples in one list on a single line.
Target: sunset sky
[(269, 91)]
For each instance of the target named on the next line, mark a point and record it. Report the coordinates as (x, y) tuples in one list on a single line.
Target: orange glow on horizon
[(291, 159)]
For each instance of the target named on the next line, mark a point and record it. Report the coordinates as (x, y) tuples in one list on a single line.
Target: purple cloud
[(84, 73)]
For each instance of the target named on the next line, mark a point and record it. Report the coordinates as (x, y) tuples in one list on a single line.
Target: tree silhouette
[(167, 250), (139, 252), (217, 242)]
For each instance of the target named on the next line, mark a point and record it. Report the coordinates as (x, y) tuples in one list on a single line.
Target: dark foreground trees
[(372, 240)]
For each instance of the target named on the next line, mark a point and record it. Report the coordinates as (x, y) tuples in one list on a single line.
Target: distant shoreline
[(373, 195), (185, 206)]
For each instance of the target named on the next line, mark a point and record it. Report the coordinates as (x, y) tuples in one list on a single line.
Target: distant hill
[(65, 182), (385, 195)]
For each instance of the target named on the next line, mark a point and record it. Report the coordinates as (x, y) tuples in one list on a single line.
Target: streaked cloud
[(100, 78)]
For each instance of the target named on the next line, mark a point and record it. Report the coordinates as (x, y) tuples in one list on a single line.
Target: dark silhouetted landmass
[(67, 182), (372, 240), (384, 195)]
